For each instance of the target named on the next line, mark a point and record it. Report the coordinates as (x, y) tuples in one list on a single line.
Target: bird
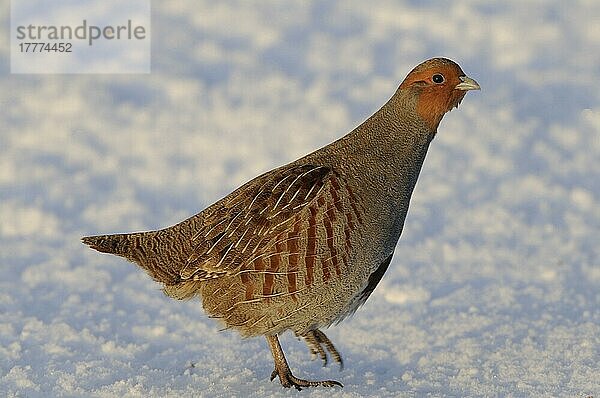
[(301, 247)]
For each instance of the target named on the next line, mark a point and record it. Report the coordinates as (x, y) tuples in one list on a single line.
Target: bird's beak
[(466, 83)]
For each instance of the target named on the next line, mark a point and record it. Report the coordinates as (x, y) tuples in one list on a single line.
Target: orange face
[(440, 85)]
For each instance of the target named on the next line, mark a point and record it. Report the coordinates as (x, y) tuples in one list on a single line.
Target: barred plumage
[(304, 245)]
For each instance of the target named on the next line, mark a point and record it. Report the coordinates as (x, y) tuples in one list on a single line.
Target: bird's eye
[(438, 78)]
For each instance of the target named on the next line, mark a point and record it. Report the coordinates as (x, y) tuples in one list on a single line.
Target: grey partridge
[(304, 245)]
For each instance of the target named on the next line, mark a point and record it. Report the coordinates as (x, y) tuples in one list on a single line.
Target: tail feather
[(147, 249), (113, 244)]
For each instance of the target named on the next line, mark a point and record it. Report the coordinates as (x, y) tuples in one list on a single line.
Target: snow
[(494, 289)]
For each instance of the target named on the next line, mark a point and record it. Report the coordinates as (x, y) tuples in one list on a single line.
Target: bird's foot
[(282, 369), (288, 380), (317, 342)]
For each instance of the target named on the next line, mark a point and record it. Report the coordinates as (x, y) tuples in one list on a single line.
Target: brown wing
[(314, 249), (246, 222)]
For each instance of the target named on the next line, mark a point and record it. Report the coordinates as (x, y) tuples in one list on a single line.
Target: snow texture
[(494, 289)]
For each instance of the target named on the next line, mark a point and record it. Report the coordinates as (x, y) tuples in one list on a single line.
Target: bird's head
[(439, 85)]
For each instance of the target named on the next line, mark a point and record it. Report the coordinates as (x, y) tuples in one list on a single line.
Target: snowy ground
[(495, 286)]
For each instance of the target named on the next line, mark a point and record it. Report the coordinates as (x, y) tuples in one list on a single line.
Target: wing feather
[(233, 231)]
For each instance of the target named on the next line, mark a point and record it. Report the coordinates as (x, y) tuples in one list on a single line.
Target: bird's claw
[(288, 380)]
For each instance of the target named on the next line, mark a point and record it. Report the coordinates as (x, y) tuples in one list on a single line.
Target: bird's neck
[(388, 149), (383, 156)]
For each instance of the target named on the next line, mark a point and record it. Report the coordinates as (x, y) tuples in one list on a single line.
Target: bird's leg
[(315, 340), (282, 369), (314, 346), (324, 340)]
